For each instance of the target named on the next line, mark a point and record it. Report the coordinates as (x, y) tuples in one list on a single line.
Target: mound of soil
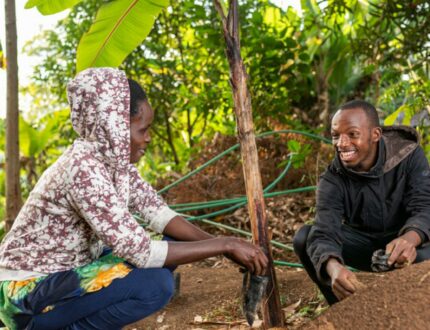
[(397, 300)]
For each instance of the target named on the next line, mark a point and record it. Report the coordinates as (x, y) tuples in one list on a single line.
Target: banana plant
[(35, 141), (49, 7), (119, 27)]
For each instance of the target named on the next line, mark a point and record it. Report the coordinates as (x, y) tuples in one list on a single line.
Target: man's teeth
[(347, 154)]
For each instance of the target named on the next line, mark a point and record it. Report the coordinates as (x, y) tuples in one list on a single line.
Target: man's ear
[(376, 134)]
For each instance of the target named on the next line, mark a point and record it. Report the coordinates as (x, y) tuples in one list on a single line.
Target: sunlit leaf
[(49, 7), (272, 17), (391, 119), (2, 58), (120, 26)]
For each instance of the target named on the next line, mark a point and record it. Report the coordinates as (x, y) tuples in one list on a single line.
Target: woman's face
[(140, 136)]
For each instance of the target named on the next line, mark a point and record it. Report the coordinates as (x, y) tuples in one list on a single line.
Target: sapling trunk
[(272, 314)]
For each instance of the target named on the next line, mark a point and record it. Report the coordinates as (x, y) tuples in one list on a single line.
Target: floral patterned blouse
[(85, 200)]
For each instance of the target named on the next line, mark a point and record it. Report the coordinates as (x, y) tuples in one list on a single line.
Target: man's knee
[(300, 239)]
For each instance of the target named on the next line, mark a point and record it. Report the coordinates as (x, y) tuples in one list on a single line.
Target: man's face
[(355, 141), (140, 136)]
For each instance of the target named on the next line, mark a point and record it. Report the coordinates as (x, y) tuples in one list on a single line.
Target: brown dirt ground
[(210, 298)]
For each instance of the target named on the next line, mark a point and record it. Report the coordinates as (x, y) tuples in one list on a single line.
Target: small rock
[(198, 319), (160, 318)]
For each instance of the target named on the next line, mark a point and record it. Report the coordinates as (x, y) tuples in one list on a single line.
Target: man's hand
[(402, 250), (343, 282)]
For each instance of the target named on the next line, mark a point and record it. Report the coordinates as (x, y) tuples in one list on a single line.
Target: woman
[(54, 269)]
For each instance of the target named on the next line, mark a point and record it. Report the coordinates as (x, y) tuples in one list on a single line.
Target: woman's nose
[(148, 137)]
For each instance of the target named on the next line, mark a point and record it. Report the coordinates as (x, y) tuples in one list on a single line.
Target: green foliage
[(119, 27), (58, 49), (300, 151), (40, 145), (49, 7), (301, 68)]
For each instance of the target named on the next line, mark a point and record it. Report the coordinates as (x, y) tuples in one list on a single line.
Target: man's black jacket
[(393, 197)]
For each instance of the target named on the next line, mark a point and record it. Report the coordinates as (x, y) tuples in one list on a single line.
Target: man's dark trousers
[(357, 251)]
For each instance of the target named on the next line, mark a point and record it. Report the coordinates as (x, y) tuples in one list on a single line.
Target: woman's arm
[(244, 253), (197, 245), (182, 230)]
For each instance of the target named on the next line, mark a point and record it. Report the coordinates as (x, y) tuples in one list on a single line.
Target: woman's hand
[(247, 255)]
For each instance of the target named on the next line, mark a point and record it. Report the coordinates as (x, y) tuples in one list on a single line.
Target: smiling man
[(374, 195)]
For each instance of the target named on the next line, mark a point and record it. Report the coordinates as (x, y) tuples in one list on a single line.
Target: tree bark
[(13, 192), (271, 306)]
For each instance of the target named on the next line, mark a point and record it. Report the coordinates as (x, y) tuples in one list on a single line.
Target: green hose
[(222, 202), (243, 203)]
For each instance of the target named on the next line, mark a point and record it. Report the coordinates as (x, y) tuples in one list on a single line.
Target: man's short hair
[(369, 110)]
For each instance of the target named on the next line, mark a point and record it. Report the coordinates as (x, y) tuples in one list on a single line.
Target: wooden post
[(272, 314), (13, 192)]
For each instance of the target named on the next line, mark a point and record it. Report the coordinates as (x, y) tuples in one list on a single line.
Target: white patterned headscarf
[(99, 99)]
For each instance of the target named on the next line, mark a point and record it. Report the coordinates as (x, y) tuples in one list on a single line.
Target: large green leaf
[(49, 7), (120, 26)]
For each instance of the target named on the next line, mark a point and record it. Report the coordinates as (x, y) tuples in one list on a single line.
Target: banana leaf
[(120, 26), (49, 7)]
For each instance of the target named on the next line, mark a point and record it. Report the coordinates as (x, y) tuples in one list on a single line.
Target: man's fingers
[(344, 285), (357, 284), (401, 259), (347, 285), (395, 253), (340, 291), (338, 294), (406, 259), (402, 253), (389, 248)]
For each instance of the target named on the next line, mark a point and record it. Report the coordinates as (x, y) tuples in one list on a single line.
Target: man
[(374, 195)]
